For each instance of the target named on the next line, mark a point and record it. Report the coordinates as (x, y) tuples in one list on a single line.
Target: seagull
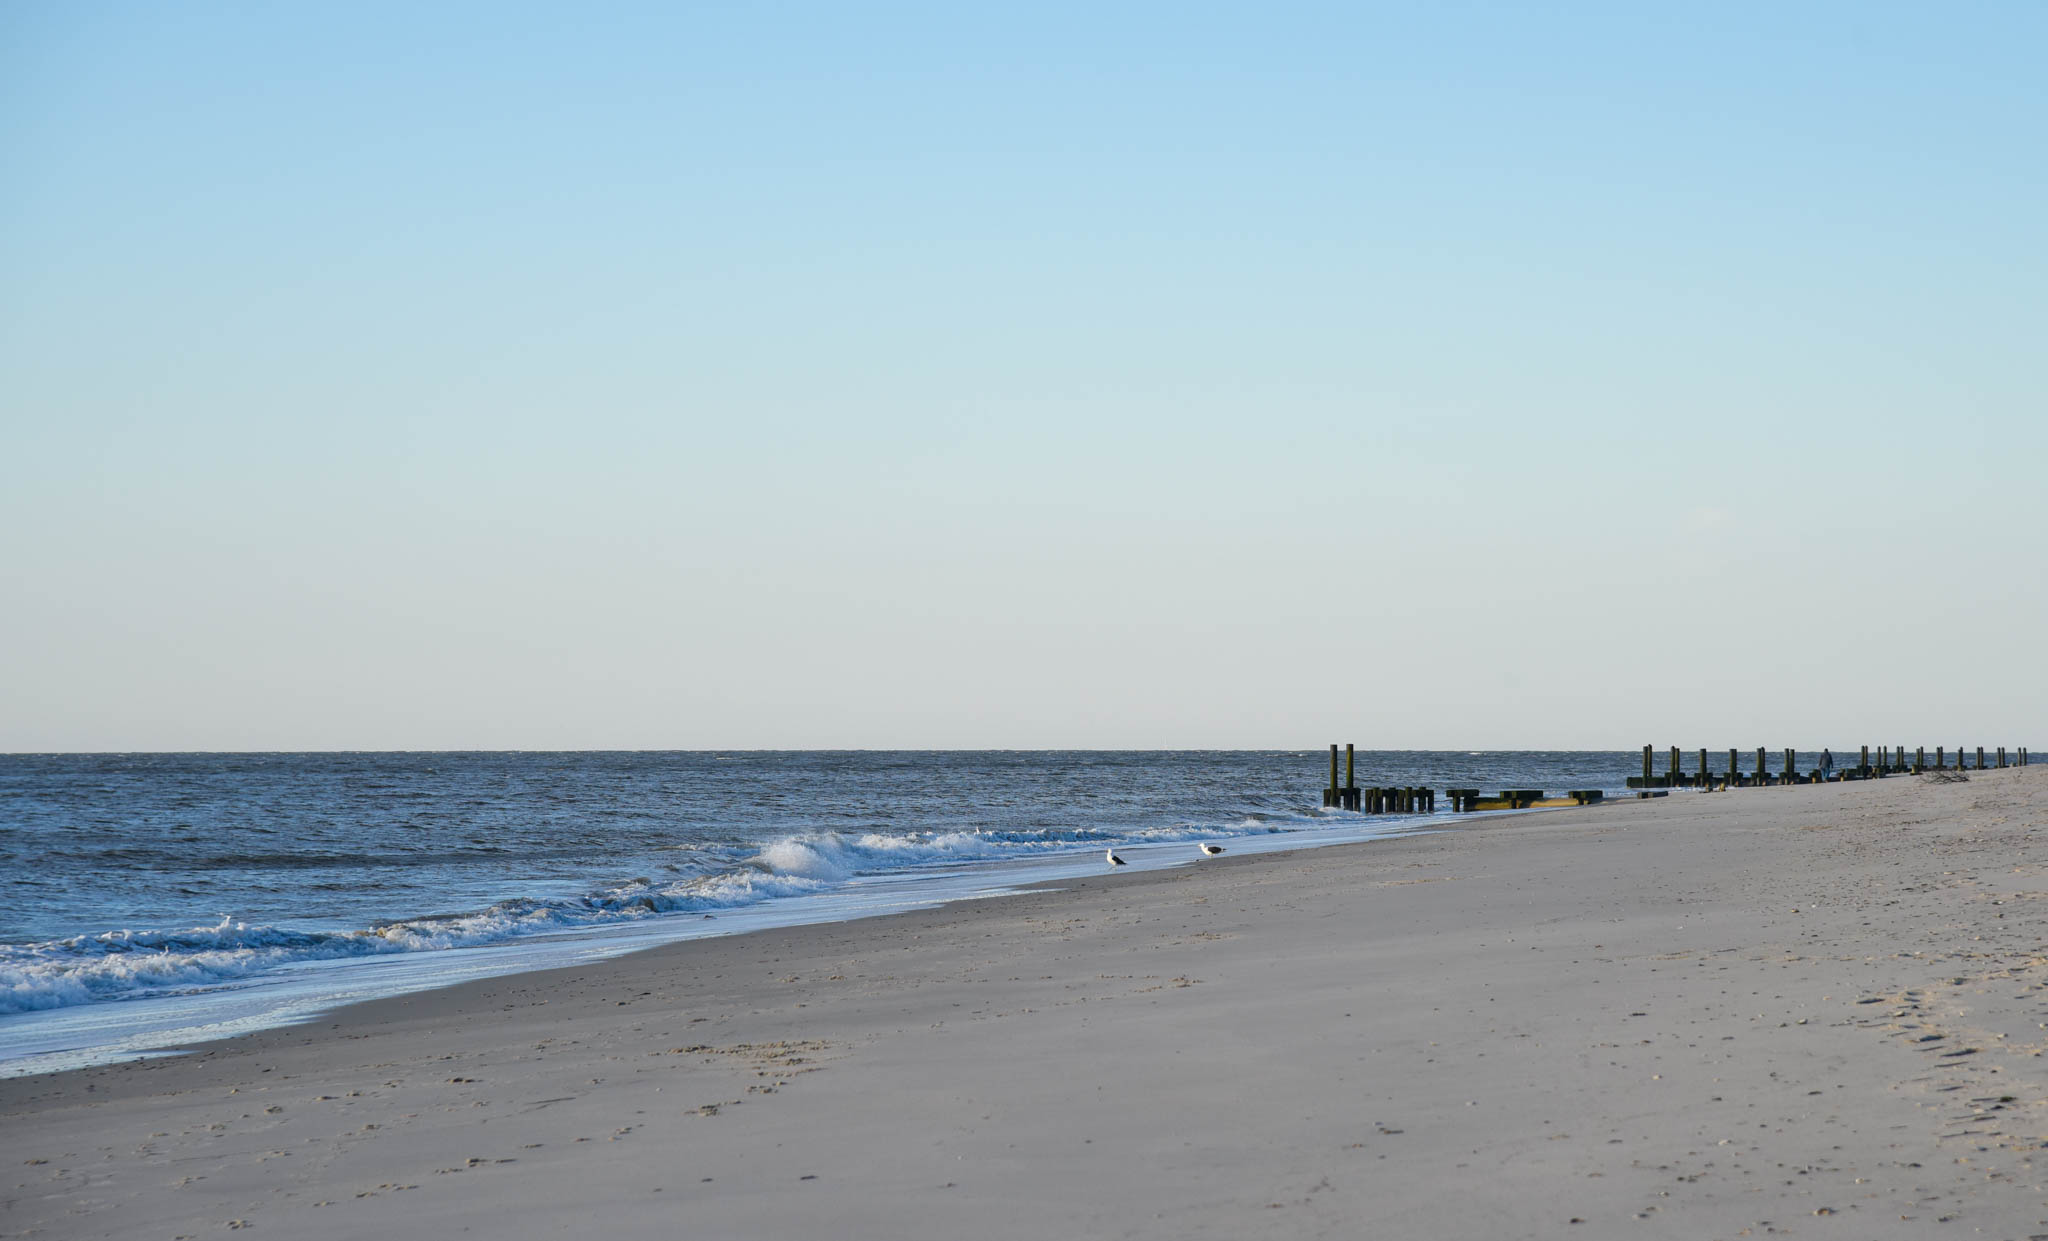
[(1114, 860), (1209, 850)]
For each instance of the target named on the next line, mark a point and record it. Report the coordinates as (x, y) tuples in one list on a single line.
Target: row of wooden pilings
[(1376, 799), (1409, 799), (1373, 799), (1890, 762)]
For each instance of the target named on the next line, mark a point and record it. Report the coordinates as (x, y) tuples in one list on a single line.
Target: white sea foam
[(128, 963), (120, 964)]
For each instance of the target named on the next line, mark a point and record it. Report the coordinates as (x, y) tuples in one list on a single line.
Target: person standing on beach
[(1827, 762)]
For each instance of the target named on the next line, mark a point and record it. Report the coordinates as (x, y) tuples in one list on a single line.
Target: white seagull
[(1209, 850), (1114, 860)]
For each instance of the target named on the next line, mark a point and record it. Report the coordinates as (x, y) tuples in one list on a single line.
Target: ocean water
[(152, 899)]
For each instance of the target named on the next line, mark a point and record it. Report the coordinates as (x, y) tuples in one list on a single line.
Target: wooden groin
[(1887, 761), (1347, 794)]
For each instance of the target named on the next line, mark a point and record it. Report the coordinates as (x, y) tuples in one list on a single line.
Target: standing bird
[(1209, 850), (1114, 860)]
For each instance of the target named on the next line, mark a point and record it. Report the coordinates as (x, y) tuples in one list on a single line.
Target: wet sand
[(1812, 1011)]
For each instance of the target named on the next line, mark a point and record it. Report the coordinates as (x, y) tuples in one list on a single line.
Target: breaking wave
[(127, 964)]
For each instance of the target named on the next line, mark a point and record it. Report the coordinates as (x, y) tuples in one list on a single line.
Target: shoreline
[(1677, 1017), (73, 1036)]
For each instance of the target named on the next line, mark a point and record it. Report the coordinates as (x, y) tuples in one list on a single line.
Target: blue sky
[(389, 376)]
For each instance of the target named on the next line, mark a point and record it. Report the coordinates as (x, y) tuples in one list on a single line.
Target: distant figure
[(1827, 762), (1209, 850), (1114, 860)]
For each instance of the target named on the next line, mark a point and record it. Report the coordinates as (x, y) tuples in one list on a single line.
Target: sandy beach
[(1809, 1011)]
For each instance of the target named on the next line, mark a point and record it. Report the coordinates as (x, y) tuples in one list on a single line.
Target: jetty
[(1889, 761)]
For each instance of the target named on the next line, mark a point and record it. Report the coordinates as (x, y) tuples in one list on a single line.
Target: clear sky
[(395, 376)]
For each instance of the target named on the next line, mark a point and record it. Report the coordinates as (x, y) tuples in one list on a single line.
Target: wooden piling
[(1330, 794), (1940, 758), (1676, 767), (1919, 759), (1863, 768), (2001, 757), (1791, 766), (1980, 758), (1646, 767)]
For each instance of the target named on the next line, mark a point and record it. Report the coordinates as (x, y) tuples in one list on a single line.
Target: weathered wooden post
[(1646, 767), (1940, 758), (2001, 757), (1980, 758), (1676, 765), (1919, 759), (1763, 775), (1791, 766), (1330, 794), (1863, 768)]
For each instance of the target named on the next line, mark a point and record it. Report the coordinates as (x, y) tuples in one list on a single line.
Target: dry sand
[(1805, 1011)]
